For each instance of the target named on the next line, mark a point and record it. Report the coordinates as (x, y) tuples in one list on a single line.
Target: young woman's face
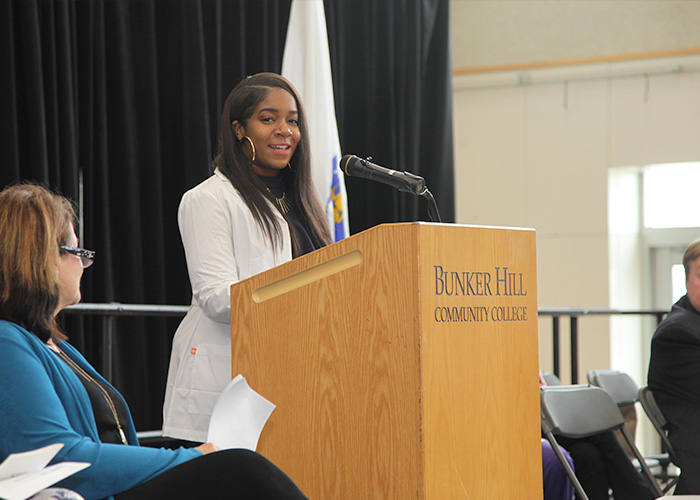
[(70, 271), (274, 130)]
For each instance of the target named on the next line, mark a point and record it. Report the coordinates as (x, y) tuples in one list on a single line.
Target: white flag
[(307, 64)]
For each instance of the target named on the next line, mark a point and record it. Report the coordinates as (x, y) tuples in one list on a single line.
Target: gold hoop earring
[(252, 146)]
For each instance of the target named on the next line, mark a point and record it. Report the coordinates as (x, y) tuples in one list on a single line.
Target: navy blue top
[(276, 187)]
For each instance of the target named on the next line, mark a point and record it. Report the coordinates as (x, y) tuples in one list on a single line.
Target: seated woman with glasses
[(50, 393)]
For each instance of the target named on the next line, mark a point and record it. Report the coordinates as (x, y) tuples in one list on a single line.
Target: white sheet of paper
[(24, 474), (239, 416), (28, 461)]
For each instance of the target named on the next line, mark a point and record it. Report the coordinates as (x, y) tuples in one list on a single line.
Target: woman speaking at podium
[(257, 211)]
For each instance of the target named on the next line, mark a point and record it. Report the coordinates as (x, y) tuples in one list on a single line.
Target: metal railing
[(115, 309), (112, 310), (556, 313)]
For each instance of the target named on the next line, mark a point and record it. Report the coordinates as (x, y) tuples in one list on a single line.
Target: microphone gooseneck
[(403, 181)]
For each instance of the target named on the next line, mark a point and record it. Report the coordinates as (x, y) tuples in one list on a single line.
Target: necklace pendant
[(283, 203), (121, 434)]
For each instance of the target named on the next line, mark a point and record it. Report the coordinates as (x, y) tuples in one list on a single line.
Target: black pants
[(235, 474), (689, 482), (601, 463)]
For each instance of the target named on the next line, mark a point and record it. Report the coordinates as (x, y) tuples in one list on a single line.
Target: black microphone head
[(347, 163)]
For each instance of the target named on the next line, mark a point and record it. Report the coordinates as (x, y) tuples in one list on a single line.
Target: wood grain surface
[(375, 398)]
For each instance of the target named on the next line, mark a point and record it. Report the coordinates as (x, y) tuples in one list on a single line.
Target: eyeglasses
[(87, 257)]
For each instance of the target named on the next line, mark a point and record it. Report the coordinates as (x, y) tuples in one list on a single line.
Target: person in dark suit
[(674, 374)]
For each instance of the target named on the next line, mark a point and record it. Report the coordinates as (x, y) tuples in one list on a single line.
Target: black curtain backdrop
[(123, 98), (391, 67)]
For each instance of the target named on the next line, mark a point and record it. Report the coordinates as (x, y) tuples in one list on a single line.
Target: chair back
[(551, 379), (619, 385), (626, 393), (578, 411), (651, 408)]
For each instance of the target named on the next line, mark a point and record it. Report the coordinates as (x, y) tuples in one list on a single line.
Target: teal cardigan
[(43, 402)]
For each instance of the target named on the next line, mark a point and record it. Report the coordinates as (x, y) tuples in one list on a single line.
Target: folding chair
[(578, 411), (550, 378), (624, 391), (651, 408), (619, 385)]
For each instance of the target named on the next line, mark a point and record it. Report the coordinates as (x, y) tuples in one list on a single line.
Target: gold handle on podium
[(308, 276)]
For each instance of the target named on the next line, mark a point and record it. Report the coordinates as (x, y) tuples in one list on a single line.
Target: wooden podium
[(403, 362)]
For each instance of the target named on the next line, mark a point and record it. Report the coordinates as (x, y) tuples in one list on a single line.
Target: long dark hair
[(233, 163), (34, 222)]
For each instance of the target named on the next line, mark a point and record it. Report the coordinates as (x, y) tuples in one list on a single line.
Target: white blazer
[(223, 244)]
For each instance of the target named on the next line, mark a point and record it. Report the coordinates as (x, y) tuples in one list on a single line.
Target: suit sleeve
[(674, 369)]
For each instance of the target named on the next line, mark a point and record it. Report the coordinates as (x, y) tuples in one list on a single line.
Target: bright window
[(677, 282), (671, 195)]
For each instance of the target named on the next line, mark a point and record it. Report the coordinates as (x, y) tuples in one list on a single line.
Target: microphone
[(403, 181)]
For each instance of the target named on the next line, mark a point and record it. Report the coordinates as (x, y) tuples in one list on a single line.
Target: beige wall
[(540, 147), (540, 155), (534, 147), (500, 32)]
